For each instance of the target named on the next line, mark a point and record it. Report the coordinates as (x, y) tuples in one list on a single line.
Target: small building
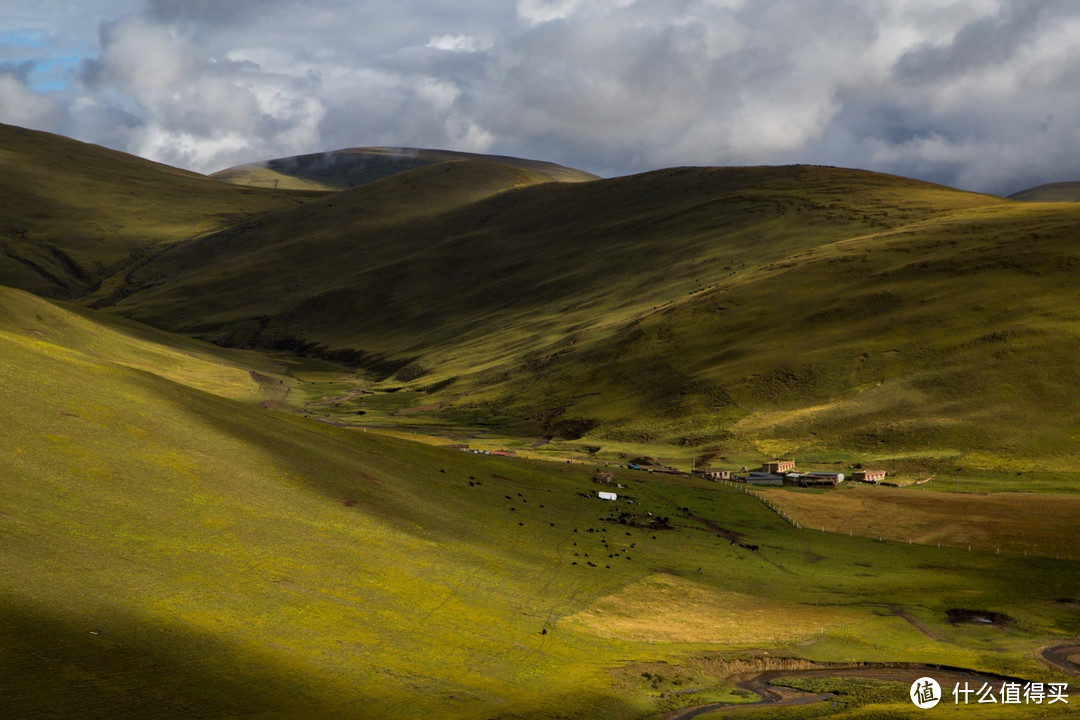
[(608, 495), (760, 478), (777, 466), (815, 479), (869, 476), (715, 475)]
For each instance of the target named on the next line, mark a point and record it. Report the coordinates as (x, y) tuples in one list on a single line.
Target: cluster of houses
[(476, 451), (782, 472)]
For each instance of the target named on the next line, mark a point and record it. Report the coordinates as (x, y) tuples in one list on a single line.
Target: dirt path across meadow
[(1062, 657), (758, 682)]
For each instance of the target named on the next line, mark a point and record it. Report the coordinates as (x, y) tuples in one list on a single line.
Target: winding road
[(1059, 657), (758, 682)]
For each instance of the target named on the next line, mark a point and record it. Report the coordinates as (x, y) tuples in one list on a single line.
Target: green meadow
[(169, 550), (279, 525), (687, 314)]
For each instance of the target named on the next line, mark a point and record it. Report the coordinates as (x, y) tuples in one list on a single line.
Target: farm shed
[(870, 476), (608, 495), (757, 478), (815, 479), (777, 466)]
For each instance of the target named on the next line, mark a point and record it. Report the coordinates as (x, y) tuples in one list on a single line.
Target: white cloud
[(541, 11), (455, 43), (957, 92), (19, 105)]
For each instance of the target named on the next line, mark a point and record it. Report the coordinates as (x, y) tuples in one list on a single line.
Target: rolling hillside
[(694, 311), (73, 214), (170, 550), (1050, 192), (447, 268), (190, 530), (344, 169)]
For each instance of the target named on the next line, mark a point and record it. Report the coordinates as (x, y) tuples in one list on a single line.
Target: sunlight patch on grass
[(665, 608)]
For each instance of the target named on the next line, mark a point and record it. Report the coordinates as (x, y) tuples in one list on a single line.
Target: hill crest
[(351, 167), (1050, 192)]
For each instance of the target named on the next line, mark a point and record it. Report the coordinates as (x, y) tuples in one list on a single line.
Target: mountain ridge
[(351, 167), (483, 294)]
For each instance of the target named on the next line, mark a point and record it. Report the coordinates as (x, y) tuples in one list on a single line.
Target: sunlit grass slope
[(722, 311), (406, 268), (948, 338), (168, 552), (343, 169), (72, 214), (34, 323)]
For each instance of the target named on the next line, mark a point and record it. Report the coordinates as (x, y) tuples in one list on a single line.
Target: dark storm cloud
[(210, 12), (975, 93), (985, 43)]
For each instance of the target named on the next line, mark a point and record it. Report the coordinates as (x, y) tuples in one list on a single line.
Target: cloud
[(455, 43), (210, 12), (20, 105), (975, 93)]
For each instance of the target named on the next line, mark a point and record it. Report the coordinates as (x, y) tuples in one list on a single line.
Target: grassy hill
[(75, 214), (701, 312), (344, 169), (189, 530), (449, 267), (947, 342), (170, 549), (691, 313), (1050, 192)]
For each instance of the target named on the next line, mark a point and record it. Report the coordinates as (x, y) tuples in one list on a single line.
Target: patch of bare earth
[(1015, 523)]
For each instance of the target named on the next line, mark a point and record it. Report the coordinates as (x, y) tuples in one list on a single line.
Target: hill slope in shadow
[(769, 309), (343, 169), (76, 214)]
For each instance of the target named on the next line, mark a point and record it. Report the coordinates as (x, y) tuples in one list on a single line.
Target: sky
[(981, 95)]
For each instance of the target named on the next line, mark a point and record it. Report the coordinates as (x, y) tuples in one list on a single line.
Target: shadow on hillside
[(113, 664)]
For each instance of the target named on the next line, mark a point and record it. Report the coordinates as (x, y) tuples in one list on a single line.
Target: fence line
[(744, 489)]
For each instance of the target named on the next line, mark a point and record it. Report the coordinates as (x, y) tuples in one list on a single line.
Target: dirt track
[(779, 696), (1058, 656)]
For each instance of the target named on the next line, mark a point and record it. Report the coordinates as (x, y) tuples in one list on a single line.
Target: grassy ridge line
[(75, 332), (344, 169), (916, 341), (492, 279), (312, 254), (1050, 192), (77, 213)]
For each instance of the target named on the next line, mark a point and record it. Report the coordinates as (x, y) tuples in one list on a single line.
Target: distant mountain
[(1050, 192), (343, 169), (796, 309), (807, 308)]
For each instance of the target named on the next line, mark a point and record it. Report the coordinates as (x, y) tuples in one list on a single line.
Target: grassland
[(169, 548), (344, 169), (1015, 523), (75, 215), (690, 313), (189, 530)]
